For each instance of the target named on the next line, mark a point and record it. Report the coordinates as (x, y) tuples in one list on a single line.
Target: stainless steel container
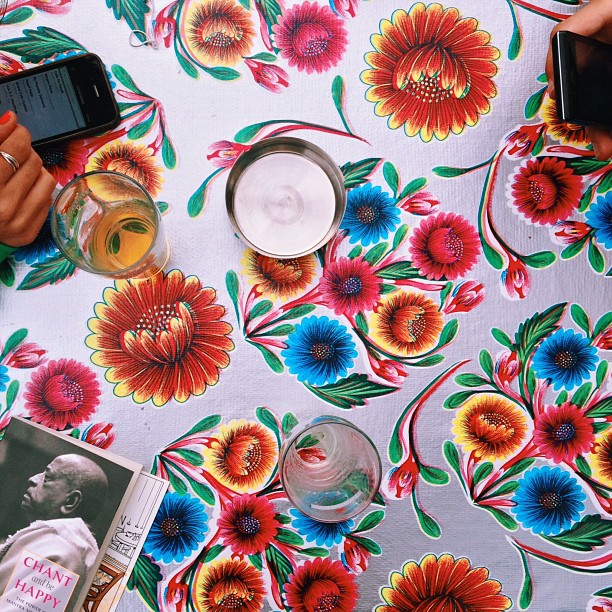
[(285, 197)]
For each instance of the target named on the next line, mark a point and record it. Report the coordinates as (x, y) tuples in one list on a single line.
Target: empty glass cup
[(331, 470), (106, 223)]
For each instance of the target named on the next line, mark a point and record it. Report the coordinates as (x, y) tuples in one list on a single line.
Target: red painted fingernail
[(6, 117)]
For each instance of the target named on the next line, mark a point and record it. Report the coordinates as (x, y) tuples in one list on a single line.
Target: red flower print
[(444, 246), (51, 6), (464, 297), (27, 355), (65, 161), (224, 153), (563, 432), (507, 368), (570, 232), (431, 71), (354, 556), (388, 369), (545, 190), (321, 584), (601, 604), (421, 203), (228, 584), (402, 479), (160, 338), (604, 339), (311, 37), (437, 584), (164, 28), (516, 279), (101, 435), (522, 141), (247, 525), (62, 394), (273, 78), (345, 8), (349, 286)]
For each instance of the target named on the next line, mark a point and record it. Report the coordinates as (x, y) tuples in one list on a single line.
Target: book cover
[(62, 500), (122, 553)]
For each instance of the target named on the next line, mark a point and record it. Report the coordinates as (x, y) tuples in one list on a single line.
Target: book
[(122, 553), (62, 501)]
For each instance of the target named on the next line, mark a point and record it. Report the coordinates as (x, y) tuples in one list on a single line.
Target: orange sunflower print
[(279, 278), (407, 324), (161, 338), (228, 584), (566, 133), (217, 32), (490, 426), (441, 584), (243, 456), (134, 160), (601, 458), (431, 71)]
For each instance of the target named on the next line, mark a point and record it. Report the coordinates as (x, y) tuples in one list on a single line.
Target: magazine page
[(122, 552), (62, 499)]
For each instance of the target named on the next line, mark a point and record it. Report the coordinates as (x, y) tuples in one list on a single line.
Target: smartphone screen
[(583, 75), (65, 99), (46, 103)]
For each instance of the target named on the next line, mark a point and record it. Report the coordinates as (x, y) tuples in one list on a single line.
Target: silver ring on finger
[(10, 160)]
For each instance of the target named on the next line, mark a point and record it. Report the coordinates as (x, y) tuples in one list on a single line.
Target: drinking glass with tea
[(107, 223)]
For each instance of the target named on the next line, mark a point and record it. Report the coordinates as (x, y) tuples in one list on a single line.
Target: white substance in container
[(284, 203)]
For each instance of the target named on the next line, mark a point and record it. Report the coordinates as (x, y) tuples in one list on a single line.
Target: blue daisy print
[(599, 217), (4, 377), (319, 351), (566, 358), (39, 250), (323, 534), (179, 527), (370, 215), (548, 500)]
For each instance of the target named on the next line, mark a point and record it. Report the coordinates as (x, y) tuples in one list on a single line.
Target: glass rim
[(148, 197), (290, 442)]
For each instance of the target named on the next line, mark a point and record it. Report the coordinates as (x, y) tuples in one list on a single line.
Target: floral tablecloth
[(460, 315)]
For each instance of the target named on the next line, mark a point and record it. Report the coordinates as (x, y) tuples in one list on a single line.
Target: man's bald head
[(71, 486)]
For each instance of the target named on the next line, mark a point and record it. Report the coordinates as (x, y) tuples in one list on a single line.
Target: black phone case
[(107, 92)]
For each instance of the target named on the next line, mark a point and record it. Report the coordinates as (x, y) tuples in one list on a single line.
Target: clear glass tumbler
[(330, 469), (106, 223)]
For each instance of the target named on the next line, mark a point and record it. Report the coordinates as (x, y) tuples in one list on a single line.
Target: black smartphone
[(68, 98), (583, 79)]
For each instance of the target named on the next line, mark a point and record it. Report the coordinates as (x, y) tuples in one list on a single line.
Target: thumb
[(8, 122), (588, 21)]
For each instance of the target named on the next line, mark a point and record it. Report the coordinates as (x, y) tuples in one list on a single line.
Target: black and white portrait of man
[(59, 506)]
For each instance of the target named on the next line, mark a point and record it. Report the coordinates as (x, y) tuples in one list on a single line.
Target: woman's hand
[(594, 20), (25, 194)]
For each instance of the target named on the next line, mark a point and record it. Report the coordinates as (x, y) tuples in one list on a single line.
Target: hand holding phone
[(25, 186), (593, 20), (582, 69), (69, 98)]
